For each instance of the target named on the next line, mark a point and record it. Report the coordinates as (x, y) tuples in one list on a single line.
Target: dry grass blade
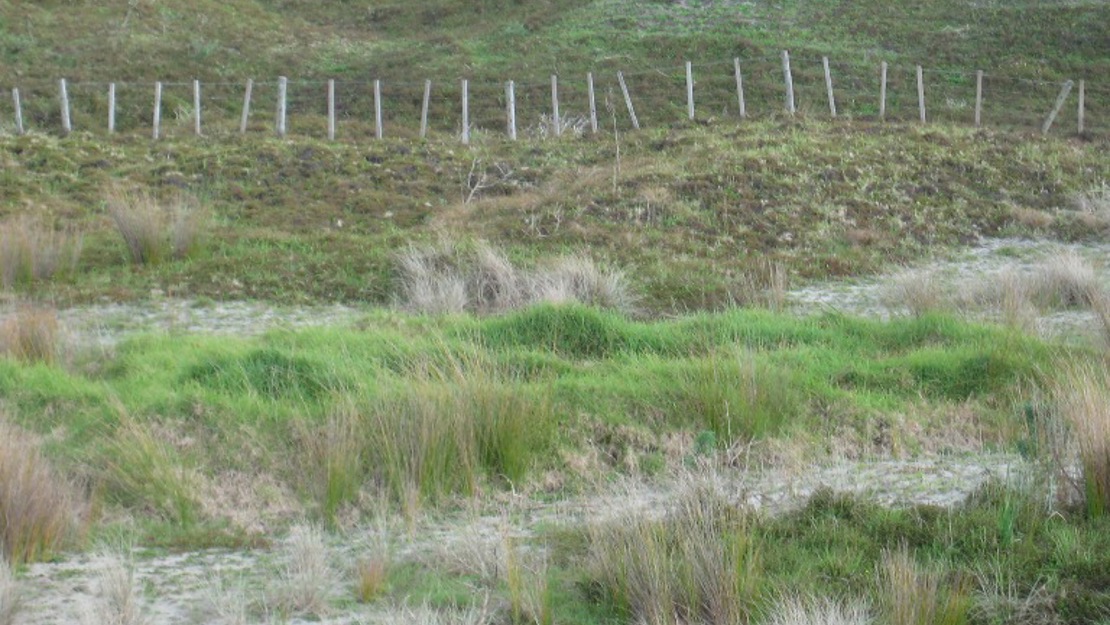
[(38, 508), (912, 595), (11, 596), (1066, 280), (817, 611), (1083, 399), (154, 230), (307, 580), (117, 600), (30, 334)]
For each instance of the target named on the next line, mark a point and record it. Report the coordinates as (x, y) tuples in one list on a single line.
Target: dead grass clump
[(1032, 218), (917, 291), (763, 285), (30, 334), (38, 508), (817, 611), (446, 278), (153, 230), (913, 595), (118, 598), (11, 597), (1065, 280), (1000, 600), (476, 614), (1082, 396), (307, 580), (31, 250)]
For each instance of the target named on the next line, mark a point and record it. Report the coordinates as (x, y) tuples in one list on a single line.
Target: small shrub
[(153, 230), (307, 578), (912, 595), (38, 508), (11, 596), (30, 334), (31, 250)]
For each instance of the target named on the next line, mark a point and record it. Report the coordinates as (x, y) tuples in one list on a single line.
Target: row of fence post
[(281, 122)]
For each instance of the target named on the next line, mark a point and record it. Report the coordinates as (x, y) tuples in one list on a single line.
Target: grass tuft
[(912, 595), (817, 611), (11, 596), (30, 334), (1083, 398), (1066, 280), (38, 508), (118, 598), (143, 471), (31, 250), (153, 230), (307, 579)]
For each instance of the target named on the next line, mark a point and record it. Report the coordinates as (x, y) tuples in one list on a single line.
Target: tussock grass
[(449, 278), (424, 614), (307, 582), (154, 230), (11, 595), (143, 471), (698, 564), (334, 458), (918, 291), (31, 250), (228, 602), (30, 334), (795, 610), (530, 593), (39, 509), (913, 595), (118, 598), (763, 285), (1065, 280), (1082, 396)]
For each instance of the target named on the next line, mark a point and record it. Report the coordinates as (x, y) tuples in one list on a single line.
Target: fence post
[(157, 110), (828, 85), (111, 108), (921, 93), (789, 82), (882, 91), (628, 101), (978, 98), (282, 108), (246, 106), (379, 127), (196, 107), (1080, 112), (424, 109), (465, 112), (558, 127), (18, 111), (1064, 91), (331, 109), (510, 105), (67, 124), (690, 90), (739, 87), (593, 102)]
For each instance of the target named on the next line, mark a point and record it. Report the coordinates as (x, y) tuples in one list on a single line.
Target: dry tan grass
[(917, 291), (307, 582), (1032, 218), (479, 613), (913, 595), (817, 611), (1095, 201), (1082, 396), (32, 250), (11, 595), (118, 599), (30, 334), (155, 230), (579, 279), (763, 285), (39, 509), (1065, 280)]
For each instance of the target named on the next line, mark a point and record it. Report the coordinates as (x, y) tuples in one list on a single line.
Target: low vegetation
[(155, 231)]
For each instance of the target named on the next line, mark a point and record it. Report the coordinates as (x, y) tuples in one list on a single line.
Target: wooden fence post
[(829, 86), (739, 87), (593, 101), (882, 91), (465, 112), (246, 106), (789, 82), (921, 93), (379, 125), (690, 90), (424, 109), (282, 105), (18, 111), (1080, 112), (331, 109), (510, 108), (67, 123), (111, 108), (555, 121), (196, 107), (1064, 91), (978, 98), (157, 110), (628, 101)]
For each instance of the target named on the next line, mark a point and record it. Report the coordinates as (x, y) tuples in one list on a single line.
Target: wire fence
[(810, 86)]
